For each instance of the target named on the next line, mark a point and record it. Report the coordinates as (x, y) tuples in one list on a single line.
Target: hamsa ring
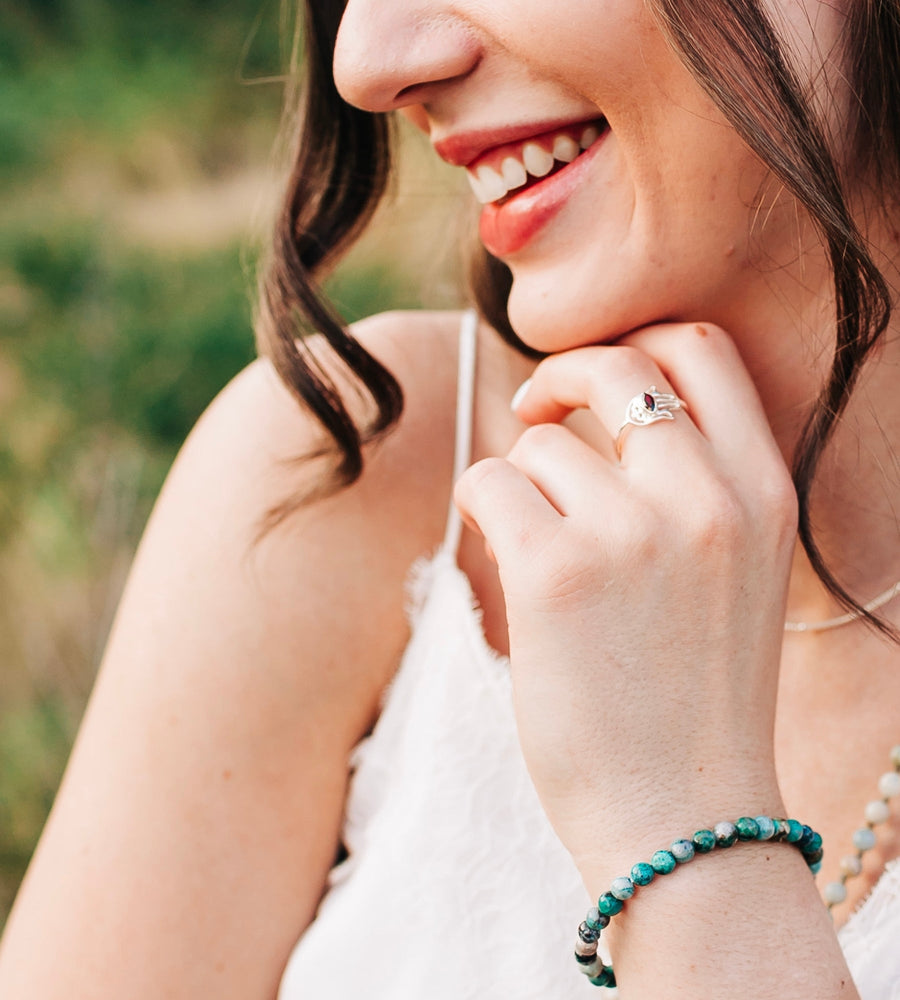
[(647, 408)]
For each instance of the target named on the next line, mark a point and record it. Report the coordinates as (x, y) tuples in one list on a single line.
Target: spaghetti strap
[(465, 400)]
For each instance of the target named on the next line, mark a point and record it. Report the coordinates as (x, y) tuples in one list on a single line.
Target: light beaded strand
[(722, 835), (878, 811)]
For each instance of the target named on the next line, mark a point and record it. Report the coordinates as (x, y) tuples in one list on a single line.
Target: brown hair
[(342, 164)]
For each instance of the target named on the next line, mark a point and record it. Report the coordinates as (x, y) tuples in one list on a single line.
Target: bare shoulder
[(201, 809), (334, 560), (334, 570)]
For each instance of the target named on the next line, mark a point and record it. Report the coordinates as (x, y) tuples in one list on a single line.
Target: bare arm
[(200, 811)]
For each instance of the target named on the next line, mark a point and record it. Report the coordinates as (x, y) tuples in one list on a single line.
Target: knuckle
[(537, 439), (479, 476), (642, 541), (777, 503), (716, 519), (481, 471)]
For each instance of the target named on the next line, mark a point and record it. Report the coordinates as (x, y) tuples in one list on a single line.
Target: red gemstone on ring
[(649, 402)]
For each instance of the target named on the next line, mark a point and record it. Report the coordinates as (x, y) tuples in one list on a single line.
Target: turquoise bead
[(747, 828), (704, 841), (766, 827), (795, 831), (642, 873), (682, 851), (662, 862), (816, 868), (724, 834), (609, 905)]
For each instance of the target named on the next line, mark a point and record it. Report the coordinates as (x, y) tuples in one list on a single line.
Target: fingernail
[(519, 395)]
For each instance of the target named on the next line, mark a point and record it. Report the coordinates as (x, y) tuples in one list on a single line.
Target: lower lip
[(507, 228)]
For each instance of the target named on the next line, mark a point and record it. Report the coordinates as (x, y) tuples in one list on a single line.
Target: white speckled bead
[(889, 784), (682, 851), (592, 968), (766, 827), (864, 839), (851, 865), (834, 893), (877, 811), (622, 887)]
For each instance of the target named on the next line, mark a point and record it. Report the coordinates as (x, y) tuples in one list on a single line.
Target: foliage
[(111, 344)]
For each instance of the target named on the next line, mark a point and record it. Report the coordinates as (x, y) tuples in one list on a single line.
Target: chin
[(552, 315)]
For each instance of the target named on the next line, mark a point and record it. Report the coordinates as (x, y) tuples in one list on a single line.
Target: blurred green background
[(136, 181)]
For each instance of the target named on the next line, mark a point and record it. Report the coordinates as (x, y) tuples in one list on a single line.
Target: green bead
[(596, 920), (806, 837), (704, 841), (812, 843), (606, 977), (747, 828), (642, 873), (662, 862), (795, 831), (609, 905)]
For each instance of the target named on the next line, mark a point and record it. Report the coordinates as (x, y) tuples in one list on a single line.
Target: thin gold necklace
[(850, 616)]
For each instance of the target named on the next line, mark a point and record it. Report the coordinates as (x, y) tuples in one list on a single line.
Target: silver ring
[(647, 408)]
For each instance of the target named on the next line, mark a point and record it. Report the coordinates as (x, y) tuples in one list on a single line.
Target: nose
[(391, 54)]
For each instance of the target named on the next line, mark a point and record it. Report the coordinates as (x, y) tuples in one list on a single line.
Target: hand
[(645, 598)]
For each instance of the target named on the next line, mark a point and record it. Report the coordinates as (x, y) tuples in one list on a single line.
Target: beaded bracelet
[(724, 834)]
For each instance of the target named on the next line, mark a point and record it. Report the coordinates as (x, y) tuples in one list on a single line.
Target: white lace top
[(456, 887)]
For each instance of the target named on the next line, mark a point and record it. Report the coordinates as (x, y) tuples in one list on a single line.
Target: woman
[(707, 257)]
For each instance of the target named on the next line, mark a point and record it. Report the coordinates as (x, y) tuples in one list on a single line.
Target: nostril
[(387, 57), (408, 92)]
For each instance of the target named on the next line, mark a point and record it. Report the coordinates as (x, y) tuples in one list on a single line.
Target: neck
[(853, 506)]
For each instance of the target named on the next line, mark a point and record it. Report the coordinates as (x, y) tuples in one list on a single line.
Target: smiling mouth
[(510, 169)]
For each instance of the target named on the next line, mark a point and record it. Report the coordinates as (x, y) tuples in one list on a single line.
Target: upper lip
[(463, 148)]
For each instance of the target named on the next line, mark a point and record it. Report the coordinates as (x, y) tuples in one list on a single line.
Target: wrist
[(700, 901), (623, 837)]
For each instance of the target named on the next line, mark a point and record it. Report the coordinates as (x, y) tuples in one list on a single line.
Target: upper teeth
[(532, 160)]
